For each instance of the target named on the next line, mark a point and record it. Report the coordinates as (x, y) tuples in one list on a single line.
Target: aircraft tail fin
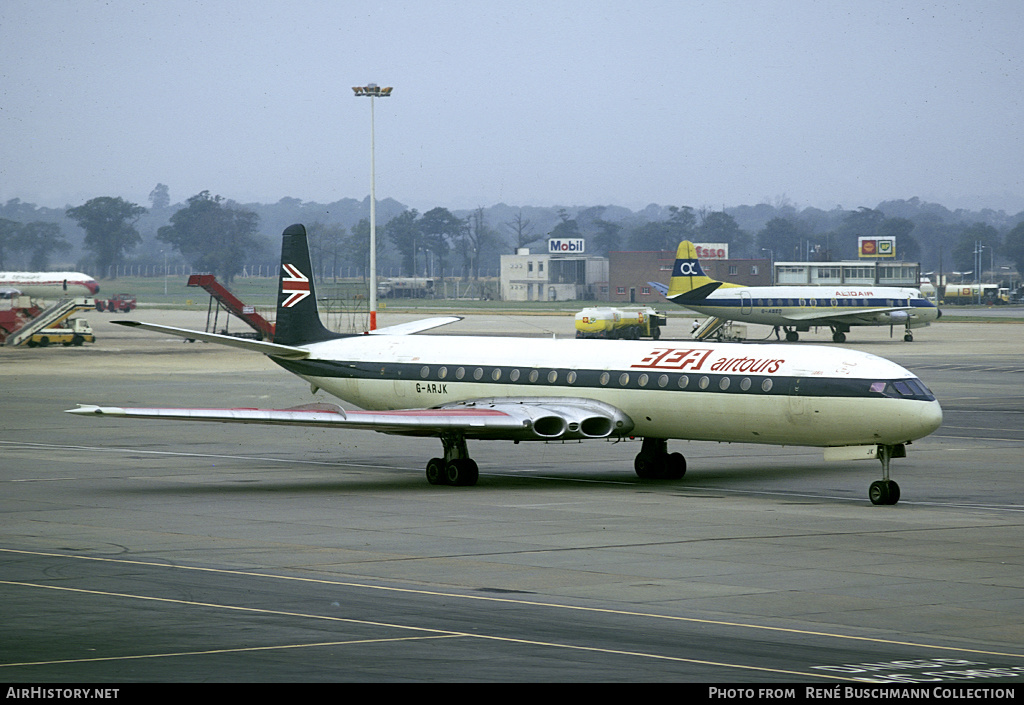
[(688, 278), (298, 320)]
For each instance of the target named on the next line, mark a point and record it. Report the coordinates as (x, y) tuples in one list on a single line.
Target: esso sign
[(565, 245), (712, 250)]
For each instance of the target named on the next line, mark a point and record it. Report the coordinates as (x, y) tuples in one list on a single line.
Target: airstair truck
[(35, 331)]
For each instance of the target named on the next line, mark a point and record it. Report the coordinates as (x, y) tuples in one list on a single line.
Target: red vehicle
[(120, 303)]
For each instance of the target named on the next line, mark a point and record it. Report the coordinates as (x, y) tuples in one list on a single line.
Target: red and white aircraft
[(50, 285), (460, 388)]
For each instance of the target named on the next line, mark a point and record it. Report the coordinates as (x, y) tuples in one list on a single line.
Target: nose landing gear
[(886, 491)]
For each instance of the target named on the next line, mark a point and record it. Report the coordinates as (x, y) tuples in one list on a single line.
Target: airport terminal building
[(851, 272), (563, 273)]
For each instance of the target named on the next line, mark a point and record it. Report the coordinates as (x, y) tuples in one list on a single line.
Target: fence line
[(256, 271)]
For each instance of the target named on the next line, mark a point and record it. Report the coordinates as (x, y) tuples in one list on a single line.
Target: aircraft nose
[(928, 419)]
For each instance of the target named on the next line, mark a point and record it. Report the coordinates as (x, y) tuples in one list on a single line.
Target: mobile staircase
[(50, 318), (708, 328), (719, 328), (264, 329)]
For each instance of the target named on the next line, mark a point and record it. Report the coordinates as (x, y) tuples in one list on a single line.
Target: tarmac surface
[(136, 551)]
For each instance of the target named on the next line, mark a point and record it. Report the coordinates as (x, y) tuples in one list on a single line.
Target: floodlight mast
[(371, 91)]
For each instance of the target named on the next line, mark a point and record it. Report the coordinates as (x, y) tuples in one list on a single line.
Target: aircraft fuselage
[(791, 305), (697, 391), (50, 285)]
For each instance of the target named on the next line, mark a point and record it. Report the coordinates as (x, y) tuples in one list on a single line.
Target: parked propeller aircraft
[(795, 308), (50, 285), (460, 388)]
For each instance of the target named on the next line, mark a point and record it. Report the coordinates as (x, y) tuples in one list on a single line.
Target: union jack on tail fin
[(298, 320)]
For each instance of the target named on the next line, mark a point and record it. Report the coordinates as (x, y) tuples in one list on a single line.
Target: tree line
[(217, 235)]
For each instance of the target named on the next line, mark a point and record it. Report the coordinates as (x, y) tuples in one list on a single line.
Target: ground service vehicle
[(121, 303), (407, 288), (73, 331), (973, 294), (624, 324)]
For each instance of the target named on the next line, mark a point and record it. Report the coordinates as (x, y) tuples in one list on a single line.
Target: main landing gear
[(456, 468), (886, 491), (839, 332), (654, 462)]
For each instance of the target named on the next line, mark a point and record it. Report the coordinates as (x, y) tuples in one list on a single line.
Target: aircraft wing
[(494, 419), (860, 316), (416, 326), (659, 287), (287, 352)]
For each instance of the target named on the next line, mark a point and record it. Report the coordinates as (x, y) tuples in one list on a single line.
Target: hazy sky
[(542, 103)]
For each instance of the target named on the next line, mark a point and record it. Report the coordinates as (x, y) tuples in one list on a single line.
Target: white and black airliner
[(462, 388), (795, 309)]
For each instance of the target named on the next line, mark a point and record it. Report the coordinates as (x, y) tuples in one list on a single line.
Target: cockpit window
[(917, 385), (903, 389)]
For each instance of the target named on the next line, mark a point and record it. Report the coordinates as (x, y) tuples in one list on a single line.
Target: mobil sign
[(565, 246)]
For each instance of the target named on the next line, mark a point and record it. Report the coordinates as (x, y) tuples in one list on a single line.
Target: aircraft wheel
[(884, 492), (663, 466), (675, 466), (792, 336), (645, 465), (908, 338), (462, 472), (436, 472), (838, 337)]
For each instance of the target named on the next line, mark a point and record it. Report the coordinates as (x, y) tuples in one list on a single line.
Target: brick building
[(630, 272)]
